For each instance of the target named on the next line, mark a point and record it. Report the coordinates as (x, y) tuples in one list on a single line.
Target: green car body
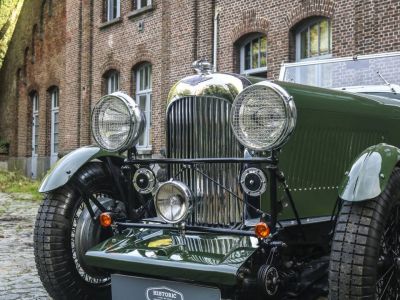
[(344, 146), (334, 131)]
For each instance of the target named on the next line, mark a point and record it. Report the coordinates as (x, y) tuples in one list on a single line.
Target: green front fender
[(67, 166), (370, 173)]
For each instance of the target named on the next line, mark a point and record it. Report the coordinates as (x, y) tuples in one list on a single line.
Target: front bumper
[(202, 258)]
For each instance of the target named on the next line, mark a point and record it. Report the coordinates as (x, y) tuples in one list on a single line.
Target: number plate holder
[(137, 288)]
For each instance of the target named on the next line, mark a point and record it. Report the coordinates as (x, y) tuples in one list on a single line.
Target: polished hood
[(220, 85)]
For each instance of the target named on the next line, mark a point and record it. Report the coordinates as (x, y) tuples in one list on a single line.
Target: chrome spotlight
[(172, 201)]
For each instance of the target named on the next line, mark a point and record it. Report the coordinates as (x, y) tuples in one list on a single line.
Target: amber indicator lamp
[(105, 219), (262, 230)]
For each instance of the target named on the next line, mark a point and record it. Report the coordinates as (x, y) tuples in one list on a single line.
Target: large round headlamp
[(263, 116), (117, 122), (172, 201)]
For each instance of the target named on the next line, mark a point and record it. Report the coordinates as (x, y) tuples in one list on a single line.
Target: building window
[(253, 55), (113, 9), (35, 124), (138, 4), (54, 95), (35, 133), (314, 39), (112, 82), (143, 98)]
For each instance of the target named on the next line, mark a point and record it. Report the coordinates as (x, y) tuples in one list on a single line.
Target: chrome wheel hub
[(86, 233)]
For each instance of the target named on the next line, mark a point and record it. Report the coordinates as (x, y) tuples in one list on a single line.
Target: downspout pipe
[(215, 40), (195, 29)]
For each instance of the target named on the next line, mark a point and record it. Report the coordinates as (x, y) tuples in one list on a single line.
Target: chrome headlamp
[(117, 122), (172, 201), (263, 116)]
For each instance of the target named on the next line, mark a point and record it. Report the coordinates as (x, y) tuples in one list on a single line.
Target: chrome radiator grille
[(199, 127)]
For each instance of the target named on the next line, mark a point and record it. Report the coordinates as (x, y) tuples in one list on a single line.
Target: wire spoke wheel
[(388, 281)]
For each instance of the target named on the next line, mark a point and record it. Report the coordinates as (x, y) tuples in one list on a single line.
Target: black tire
[(359, 256), (62, 274)]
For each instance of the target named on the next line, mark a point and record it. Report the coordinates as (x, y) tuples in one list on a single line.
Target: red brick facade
[(68, 44)]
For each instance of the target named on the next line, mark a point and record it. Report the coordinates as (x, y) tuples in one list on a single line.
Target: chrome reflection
[(199, 127), (212, 251), (226, 86)]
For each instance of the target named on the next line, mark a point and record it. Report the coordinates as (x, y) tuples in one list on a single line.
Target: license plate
[(136, 288)]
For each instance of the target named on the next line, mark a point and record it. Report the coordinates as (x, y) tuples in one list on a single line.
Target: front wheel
[(64, 231), (365, 255)]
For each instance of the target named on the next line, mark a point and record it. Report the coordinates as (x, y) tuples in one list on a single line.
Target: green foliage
[(11, 182), (9, 12), (4, 146)]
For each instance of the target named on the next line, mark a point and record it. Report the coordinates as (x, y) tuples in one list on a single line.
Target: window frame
[(35, 123), (110, 6), (138, 4), (243, 45), (112, 83), (147, 93), (306, 26), (55, 104), (34, 97)]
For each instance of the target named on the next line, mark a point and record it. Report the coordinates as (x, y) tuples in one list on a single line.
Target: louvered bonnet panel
[(199, 127)]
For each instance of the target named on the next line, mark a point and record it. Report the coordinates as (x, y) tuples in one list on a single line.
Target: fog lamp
[(172, 201)]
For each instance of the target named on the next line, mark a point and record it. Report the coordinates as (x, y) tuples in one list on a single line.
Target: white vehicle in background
[(375, 74)]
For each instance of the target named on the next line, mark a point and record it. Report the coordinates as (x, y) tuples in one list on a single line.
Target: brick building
[(66, 54)]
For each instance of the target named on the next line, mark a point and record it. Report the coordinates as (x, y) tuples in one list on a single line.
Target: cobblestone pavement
[(18, 276)]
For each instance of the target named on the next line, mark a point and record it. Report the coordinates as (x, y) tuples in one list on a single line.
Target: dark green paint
[(333, 128), (67, 166), (206, 258), (369, 173)]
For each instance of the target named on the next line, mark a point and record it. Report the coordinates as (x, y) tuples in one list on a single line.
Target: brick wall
[(35, 62), (71, 46)]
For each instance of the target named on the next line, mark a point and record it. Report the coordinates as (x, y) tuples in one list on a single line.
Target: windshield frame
[(290, 66)]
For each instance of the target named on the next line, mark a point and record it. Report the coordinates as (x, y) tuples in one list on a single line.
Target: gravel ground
[(18, 276)]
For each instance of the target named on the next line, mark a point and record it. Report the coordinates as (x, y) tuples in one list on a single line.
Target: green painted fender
[(67, 166), (370, 173)]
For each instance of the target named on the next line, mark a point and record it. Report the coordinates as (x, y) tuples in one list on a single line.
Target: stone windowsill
[(140, 11), (111, 22), (146, 151)]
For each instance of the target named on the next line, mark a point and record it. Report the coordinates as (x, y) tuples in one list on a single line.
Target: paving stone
[(18, 275)]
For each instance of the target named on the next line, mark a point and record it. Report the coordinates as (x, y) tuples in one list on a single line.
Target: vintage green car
[(266, 190)]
